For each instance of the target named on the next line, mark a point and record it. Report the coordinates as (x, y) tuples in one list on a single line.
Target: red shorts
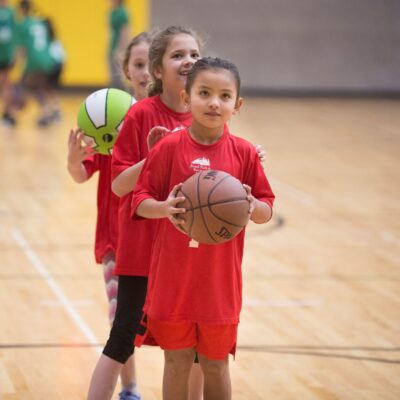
[(212, 341)]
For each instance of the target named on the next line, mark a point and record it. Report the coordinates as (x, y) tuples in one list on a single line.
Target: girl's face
[(213, 98), (137, 69), (180, 55)]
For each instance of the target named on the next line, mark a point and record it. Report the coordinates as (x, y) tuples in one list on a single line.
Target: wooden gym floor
[(321, 315)]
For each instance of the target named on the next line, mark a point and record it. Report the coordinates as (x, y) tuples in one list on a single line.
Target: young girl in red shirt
[(172, 54), (194, 294), (82, 166)]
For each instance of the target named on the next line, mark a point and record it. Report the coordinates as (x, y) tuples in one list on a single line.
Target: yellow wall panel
[(82, 26)]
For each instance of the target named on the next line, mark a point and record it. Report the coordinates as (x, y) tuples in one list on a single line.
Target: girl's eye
[(195, 55), (177, 56), (203, 93), (139, 65), (226, 96)]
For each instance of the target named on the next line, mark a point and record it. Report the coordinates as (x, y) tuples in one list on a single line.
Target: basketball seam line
[(191, 209), (217, 203), (209, 204), (201, 211), (214, 214)]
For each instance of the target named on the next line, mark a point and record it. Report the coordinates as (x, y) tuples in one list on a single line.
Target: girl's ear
[(158, 72), (126, 73), (185, 98), (239, 103)]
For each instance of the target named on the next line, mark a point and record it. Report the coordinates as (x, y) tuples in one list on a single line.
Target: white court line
[(41, 269), (295, 193), (389, 237)]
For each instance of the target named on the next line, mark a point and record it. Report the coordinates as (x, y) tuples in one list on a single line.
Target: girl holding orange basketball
[(194, 292), (172, 54)]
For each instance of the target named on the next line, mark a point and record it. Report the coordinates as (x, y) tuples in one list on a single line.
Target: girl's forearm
[(77, 172), (125, 182), (262, 212), (151, 208)]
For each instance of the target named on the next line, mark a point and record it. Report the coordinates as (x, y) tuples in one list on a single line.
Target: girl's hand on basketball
[(260, 152), (155, 135), (250, 198), (172, 210)]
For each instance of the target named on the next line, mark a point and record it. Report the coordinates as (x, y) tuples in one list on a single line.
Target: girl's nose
[(188, 61), (213, 103)]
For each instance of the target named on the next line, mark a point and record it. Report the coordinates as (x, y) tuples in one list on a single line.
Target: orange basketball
[(216, 206)]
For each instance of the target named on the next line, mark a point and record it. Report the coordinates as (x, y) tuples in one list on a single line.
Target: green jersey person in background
[(7, 58), (58, 55), (119, 38), (34, 41)]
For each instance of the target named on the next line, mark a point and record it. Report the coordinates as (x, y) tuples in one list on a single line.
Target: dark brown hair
[(157, 50), (207, 63)]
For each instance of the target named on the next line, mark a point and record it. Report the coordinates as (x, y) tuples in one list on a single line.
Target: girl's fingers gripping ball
[(250, 198)]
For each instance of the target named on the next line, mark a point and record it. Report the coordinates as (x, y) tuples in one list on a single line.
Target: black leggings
[(130, 301)]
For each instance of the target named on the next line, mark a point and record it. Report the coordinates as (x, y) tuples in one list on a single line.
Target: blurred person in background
[(7, 58), (33, 40), (119, 39), (57, 53)]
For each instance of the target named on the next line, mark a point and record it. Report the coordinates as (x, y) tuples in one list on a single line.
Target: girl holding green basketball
[(83, 162)]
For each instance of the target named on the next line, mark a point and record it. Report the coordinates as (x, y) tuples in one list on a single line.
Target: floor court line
[(389, 237), (55, 288)]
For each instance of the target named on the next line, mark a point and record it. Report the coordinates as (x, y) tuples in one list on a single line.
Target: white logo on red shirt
[(200, 164), (178, 128)]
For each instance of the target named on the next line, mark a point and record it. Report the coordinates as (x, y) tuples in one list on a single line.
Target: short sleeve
[(126, 148), (257, 180), (91, 164)]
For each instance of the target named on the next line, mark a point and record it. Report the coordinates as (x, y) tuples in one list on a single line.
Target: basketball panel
[(189, 190), (118, 104), (207, 182), (227, 189), (235, 213), (215, 230), (202, 228)]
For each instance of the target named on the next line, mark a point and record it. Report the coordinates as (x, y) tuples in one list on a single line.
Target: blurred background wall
[(82, 26), (280, 46), (299, 45)]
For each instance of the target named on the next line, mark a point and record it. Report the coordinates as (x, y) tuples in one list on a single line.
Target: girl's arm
[(152, 208), (126, 180), (76, 154), (260, 212)]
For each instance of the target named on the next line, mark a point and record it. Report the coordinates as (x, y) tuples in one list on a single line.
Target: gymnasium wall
[(299, 46), (280, 46), (82, 26)]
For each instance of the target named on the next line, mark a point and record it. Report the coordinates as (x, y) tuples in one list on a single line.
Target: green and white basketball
[(101, 116)]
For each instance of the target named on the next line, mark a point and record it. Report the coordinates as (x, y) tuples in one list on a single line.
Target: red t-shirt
[(136, 238), (107, 206), (202, 284)]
